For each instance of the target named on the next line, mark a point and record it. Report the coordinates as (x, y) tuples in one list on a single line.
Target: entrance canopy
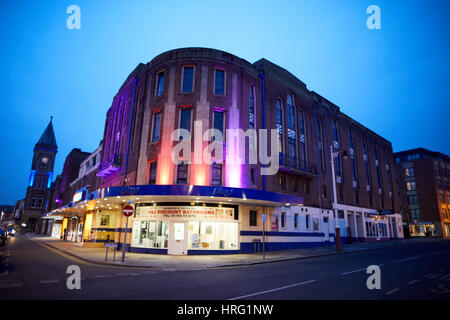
[(113, 196)]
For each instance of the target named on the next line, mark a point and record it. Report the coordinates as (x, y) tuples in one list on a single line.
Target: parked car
[(3, 235), (11, 231)]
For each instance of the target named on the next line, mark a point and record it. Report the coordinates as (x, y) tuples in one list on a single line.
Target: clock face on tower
[(44, 160)]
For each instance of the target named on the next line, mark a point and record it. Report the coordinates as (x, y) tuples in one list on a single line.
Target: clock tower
[(40, 179)]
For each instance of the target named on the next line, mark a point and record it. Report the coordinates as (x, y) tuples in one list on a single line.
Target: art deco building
[(193, 207)]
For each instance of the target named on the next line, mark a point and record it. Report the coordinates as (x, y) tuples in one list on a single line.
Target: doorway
[(178, 238)]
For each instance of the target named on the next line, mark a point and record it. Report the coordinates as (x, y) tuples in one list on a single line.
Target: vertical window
[(253, 176), (253, 214), (302, 129), (279, 111), (296, 220), (182, 173), (282, 182), (291, 133), (219, 83), (156, 126), (377, 164), (283, 219), (307, 221), (353, 157), (251, 110), (216, 174), (185, 119), (160, 84), (366, 162), (336, 145), (294, 185), (188, 79), (152, 173), (388, 171), (218, 118), (321, 153)]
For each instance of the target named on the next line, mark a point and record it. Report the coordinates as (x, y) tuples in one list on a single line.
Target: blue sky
[(395, 80)]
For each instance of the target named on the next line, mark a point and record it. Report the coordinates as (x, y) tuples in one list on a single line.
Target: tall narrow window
[(291, 134), (388, 172), (160, 84), (336, 145), (251, 110), (152, 173), (302, 129), (219, 83), (185, 119), (216, 174), (156, 126), (188, 79), (253, 176), (279, 111), (377, 164), (367, 164), (353, 157), (321, 153), (253, 215), (218, 118)]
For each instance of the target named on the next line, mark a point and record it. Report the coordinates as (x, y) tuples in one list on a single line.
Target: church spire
[(48, 137)]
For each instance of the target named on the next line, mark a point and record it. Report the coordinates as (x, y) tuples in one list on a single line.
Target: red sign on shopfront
[(128, 211)]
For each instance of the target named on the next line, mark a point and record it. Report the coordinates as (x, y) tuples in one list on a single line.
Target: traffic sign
[(128, 211)]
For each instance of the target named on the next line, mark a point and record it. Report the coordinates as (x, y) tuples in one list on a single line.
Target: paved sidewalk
[(97, 255)]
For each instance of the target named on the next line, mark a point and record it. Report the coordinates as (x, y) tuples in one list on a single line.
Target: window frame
[(182, 79), (224, 81)]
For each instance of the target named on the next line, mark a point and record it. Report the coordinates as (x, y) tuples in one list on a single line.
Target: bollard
[(106, 257)]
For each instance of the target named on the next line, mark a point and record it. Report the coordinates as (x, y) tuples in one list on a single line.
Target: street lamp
[(335, 210)]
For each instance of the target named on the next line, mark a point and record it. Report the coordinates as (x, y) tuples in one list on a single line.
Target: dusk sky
[(394, 81)]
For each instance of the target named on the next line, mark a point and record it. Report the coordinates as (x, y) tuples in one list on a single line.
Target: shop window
[(307, 221), (296, 221), (150, 234), (253, 218), (104, 220), (283, 220), (219, 83), (213, 235), (188, 79), (340, 214), (315, 224)]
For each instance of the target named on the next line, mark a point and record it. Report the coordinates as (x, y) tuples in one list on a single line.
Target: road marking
[(409, 259), (272, 290), (436, 252), (11, 285), (359, 270), (412, 282), (48, 281), (392, 291)]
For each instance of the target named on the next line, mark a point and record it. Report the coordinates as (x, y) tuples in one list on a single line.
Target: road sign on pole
[(127, 212)]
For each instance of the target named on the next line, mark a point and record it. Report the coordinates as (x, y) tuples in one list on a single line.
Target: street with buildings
[(324, 183), (420, 271)]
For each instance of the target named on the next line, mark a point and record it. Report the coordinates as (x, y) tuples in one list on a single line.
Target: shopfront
[(185, 229)]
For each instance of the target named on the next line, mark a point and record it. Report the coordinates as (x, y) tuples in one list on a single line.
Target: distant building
[(40, 179), (7, 215), (423, 182)]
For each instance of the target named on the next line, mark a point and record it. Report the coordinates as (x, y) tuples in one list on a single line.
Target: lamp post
[(335, 210)]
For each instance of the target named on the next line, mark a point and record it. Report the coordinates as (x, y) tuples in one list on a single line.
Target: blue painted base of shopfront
[(212, 252)]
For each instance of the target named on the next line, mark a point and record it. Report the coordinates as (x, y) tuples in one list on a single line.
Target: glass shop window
[(213, 235), (150, 234), (253, 218)]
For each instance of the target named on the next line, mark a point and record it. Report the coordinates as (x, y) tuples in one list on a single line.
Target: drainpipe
[(261, 75), (129, 130)]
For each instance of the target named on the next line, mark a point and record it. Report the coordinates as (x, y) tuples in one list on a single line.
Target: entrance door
[(178, 238)]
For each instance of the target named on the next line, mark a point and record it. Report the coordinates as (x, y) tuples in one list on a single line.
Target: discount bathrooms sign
[(184, 213)]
